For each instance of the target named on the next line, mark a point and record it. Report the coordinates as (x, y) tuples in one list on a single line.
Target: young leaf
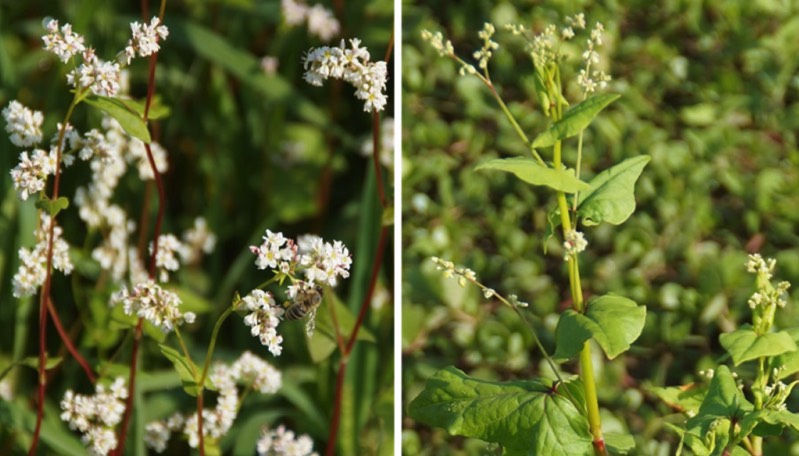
[(611, 197), (574, 120), (532, 172), (787, 362), (52, 207), (613, 321), (525, 417), (723, 400), (128, 119), (744, 344)]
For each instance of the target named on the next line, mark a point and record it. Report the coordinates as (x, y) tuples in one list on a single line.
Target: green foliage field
[(248, 151), (710, 90)]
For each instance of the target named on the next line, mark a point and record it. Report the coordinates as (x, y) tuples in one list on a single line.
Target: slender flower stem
[(156, 234), (68, 343), (513, 122), (45, 294)]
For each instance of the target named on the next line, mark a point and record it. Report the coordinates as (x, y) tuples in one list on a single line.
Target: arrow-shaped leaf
[(574, 120), (613, 321), (525, 417), (744, 344), (534, 173), (611, 197), (128, 119)]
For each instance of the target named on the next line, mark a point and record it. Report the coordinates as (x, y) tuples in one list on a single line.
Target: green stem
[(586, 363), (513, 122)]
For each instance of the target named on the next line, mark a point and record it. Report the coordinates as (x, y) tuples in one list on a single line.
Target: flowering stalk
[(159, 218)]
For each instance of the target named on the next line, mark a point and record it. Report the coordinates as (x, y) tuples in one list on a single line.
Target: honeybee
[(304, 305)]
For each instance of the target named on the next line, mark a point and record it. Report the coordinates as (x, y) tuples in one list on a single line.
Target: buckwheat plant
[(727, 415), (369, 78), (560, 415)]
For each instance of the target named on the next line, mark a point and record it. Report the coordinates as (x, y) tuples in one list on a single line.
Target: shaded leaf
[(575, 119), (618, 443), (613, 321), (744, 344), (323, 341), (611, 197), (532, 172), (525, 417), (723, 400), (184, 367)]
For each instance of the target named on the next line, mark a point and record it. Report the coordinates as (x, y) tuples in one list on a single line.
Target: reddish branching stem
[(156, 234), (68, 343)]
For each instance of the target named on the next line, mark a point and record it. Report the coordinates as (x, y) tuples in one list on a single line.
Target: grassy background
[(709, 89), (248, 152)]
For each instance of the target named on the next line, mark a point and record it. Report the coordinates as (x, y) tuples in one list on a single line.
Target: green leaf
[(387, 218), (323, 341), (52, 207), (33, 361), (184, 367), (611, 197), (158, 110), (613, 321), (723, 400), (618, 443), (532, 172), (685, 399), (788, 362), (574, 120), (525, 417), (744, 344), (128, 119)]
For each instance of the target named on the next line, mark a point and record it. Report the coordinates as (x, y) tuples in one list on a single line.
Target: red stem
[(68, 343), (156, 234)]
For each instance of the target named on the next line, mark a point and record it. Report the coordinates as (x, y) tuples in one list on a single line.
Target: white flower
[(276, 252), (196, 241), (282, 442), (96, 416), (269, 64), (33, 268), (30, 176), (166, 257), (23, 124), (144, 39), (324, 262), (252, 370), (293, 12), (322, 23), (574, 243), (101, 77), (263, 319), (154, 304), (64, 44), (352, 65)]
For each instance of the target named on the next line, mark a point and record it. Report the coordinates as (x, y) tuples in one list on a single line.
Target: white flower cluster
[(321, 21), (249, 371), (450, 270), (166, 258), (263, 319), (64, 43), (23, 124), (766, 294), (320, 261), (102, 78), (386, 144), (33, 268), (196, 241), (590, 78), (30, 175), (5, 390), (483, 55), (156, 305), (323, 261), (282, 442), (144, 39), (444, 48), (96, 416), (574, 243), (353, 66)]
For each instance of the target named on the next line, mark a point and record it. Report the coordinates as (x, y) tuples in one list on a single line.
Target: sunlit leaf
[(611, 197), (532, 172), (128, 119), (525, 417), (744, 344), (574, 120)]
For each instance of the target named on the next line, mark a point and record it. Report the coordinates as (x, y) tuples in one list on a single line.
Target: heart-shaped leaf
[(611, 197), (532, 172), (613, 321), (52, 207), (525, 417), (723, 401), (574, 120), (744, 344)]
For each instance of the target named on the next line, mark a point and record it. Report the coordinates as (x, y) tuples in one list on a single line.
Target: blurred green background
[(248, 151), (709, 89)]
